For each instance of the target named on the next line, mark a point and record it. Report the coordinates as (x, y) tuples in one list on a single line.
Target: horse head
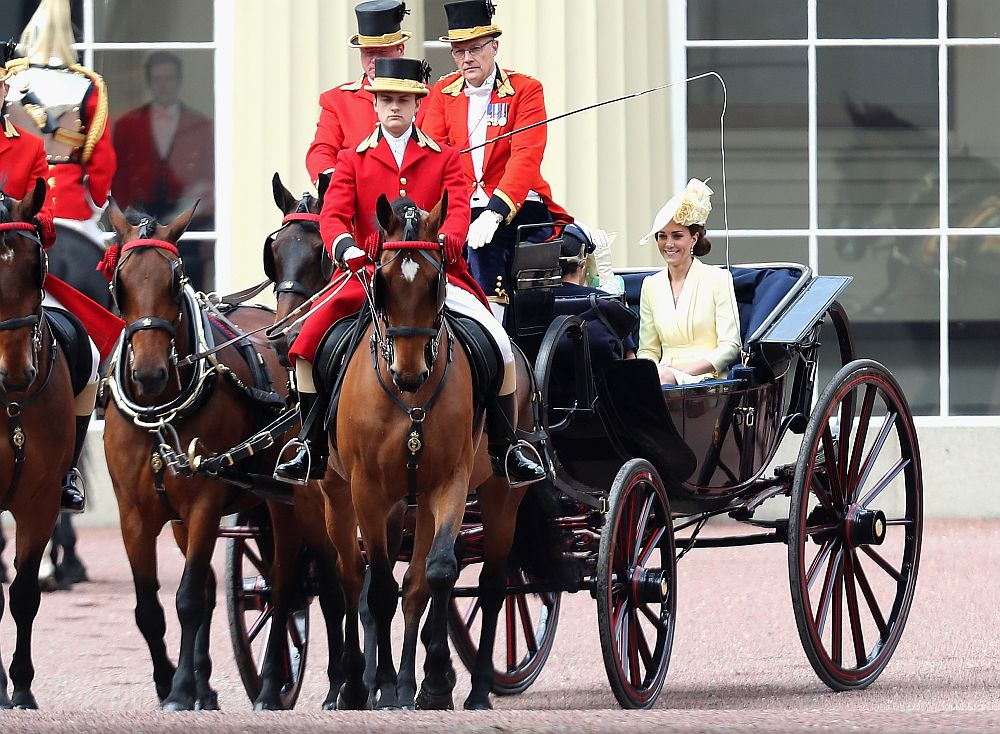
[(410, 288), (22, 276), (147, 287), (294, 257)]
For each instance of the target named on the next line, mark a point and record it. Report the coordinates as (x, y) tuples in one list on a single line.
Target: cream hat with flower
[(687, 207)]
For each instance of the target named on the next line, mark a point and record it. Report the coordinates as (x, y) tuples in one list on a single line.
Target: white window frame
[(223, 68), (680, 44)]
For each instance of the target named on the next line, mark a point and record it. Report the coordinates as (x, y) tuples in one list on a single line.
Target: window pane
[(746, 19), (893, 307), (15, 14), (974, 151), (973, 19), (877, 19), (878, 145), (974, 325), (133, 21), (163, 131), (766, 138), (752, 249)]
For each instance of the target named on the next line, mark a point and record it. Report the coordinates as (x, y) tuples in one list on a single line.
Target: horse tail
[(540, 547)]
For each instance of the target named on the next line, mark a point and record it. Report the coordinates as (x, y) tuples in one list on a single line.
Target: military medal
[(496, 114)]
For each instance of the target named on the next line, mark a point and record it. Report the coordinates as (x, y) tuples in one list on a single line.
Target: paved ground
[(737, 661)]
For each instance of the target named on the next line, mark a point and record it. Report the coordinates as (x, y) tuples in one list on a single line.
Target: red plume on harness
[(373, 246)]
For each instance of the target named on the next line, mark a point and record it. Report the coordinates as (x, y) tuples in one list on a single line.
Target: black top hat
[(408, 76), (469, 19), (378, 24)]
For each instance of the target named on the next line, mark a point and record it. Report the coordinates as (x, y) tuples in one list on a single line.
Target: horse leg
[(25, 596), (394, 535), (47, 580), (284, 567), (3, 566), (70, 569), (140, 547), (202, 529), (498, 504), (207, 699), (5, 702), (415, 595), (442, 573)]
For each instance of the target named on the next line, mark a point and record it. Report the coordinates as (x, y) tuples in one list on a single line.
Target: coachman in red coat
[(347, 114)]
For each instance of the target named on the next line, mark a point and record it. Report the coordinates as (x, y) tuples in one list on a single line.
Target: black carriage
[(635, 464)]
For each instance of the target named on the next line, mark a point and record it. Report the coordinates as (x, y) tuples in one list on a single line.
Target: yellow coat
[(705, 323)]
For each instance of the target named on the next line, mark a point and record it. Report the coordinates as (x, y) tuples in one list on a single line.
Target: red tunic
[(346, 117), (22, 161), (512, 166), (364, 173)]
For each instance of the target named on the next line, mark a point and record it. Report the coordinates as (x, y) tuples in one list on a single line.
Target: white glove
[(482, 230), (352, 252)]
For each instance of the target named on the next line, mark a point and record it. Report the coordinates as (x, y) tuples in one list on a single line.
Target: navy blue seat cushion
[(758, 292)]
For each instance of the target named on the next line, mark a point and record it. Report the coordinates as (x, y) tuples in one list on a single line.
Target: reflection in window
[(974, 324), (893, 306), (752, 249), (162, 131), (435, 27), (746, 19), (877, 19), (139, 21)]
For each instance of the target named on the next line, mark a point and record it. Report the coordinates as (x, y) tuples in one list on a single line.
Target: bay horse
[(37, 419), (150, 289), (412, 395)]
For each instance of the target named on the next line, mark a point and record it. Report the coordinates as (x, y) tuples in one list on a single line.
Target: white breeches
[(461, 301)]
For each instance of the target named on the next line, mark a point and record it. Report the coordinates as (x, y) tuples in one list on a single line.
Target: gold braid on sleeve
[(96, 127)]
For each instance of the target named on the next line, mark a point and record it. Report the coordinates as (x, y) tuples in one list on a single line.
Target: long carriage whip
[(633, 95)]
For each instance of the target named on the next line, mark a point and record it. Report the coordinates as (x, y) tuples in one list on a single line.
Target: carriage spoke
[(822, 528), (621, 636), (883, 434), (471, 612), (853, 611), (883, 564), (647, 510), (526, 624), (511, 634), (818, 561), (648, 614), (859, 440), (837, 630), (900, 521), (260, 623), (866, 590), (832, 470), (846, 422), (884, 482), (827, 594), (256, 562), (654, 543), (634, 636)]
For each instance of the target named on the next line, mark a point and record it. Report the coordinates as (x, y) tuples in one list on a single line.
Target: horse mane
[(135, 216)]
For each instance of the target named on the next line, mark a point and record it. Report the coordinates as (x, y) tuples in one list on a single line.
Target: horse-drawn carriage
[(632, 464)]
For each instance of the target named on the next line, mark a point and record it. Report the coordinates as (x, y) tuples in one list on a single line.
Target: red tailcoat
[(364, 173), (512, 166), (188, 171), (346, 117), (22, 160)]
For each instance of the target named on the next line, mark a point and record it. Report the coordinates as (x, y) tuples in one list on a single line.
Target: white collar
[(488, 82), (394, 140)]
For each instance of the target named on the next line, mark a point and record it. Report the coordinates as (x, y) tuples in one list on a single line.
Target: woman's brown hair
[(704, 245)]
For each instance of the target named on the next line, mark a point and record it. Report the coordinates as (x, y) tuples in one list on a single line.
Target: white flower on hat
[(690, 206)]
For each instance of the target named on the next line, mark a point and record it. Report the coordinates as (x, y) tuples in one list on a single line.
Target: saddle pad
[(335, 350), (484, 357), (75, 343)]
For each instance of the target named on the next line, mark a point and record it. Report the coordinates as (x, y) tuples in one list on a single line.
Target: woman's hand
[(666, 375)]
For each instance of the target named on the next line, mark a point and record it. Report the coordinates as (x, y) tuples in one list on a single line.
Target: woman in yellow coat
[(689, 323)]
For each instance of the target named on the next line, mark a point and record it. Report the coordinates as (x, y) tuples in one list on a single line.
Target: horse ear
[(173, 231), (436, 217), (384, 214), (118, 222), (282, 196), (322, 184), (33, 201)]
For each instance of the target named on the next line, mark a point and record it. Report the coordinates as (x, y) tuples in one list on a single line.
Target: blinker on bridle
[(33, 320)]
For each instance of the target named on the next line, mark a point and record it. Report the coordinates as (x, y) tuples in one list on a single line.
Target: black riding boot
[(73, 498), (310, 458), (503, 444)]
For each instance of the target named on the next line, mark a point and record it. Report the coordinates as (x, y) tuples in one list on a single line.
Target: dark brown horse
[(296, 261), (149, 285), (412, 394), (36, 422)]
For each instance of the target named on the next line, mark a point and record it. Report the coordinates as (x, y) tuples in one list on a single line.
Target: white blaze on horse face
[(409, 269)]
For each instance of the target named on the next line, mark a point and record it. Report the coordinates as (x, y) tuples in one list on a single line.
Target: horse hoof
[(169, 705), (348, 702), (208, 702), (435, 701), (49, 583), (6, 705), (24, 701), (72, 572), (471, 705), (267, 706)]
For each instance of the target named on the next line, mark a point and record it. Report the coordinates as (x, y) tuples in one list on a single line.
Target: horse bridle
[(33, 320), (301, 214)]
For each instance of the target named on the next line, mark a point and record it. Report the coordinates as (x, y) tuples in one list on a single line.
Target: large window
[(860, 139), (157, 59)]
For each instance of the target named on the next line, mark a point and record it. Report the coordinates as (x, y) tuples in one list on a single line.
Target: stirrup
[(296, 442), (80, 486), (523, 445)]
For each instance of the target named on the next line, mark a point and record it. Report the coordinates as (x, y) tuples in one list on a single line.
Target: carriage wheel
[(637, 586), (248, 603), (855, 526), (525, 634)]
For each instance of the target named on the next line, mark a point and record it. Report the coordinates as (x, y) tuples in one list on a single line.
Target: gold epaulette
[(96, 127), (454, 88), (370, 142), (9, 130), (425, 141), (353, 86)]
